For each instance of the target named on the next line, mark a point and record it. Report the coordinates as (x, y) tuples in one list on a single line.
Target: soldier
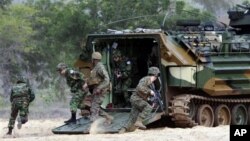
[(78, 88), (122, 73), (99, 82), (141, 109), (20, 97)]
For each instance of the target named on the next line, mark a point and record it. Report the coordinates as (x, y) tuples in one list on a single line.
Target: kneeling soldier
[(141, 109)]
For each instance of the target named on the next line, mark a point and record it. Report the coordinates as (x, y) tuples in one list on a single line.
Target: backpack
[(20, 90)]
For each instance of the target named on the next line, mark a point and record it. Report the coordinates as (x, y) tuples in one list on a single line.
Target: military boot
[(109, 119), (72, 119), (122, 130), (19, 123), (139, 124), (9, 132), (85, 114)]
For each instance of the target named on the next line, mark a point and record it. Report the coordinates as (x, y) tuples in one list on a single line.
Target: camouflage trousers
[(76, 101), (95, 108), (122, 96), (140, 108), (125, 86), (20, 106)]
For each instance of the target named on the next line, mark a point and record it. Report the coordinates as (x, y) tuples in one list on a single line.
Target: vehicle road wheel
[(239, 115), (222, 115), (205, 115), (192, 109)]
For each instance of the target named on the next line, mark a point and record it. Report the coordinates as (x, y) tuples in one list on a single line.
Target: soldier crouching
[(141, 109), (78, 88)]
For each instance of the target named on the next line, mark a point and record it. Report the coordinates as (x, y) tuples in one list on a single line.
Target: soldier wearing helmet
[(99, 83), (20, 97), (154, 71), (122, 70), (61, 66), (141, 109), (96, 56), (78, 88), (21, 79)]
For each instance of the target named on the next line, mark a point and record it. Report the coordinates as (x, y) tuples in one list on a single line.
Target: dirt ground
[(40, 130), (42, 121)]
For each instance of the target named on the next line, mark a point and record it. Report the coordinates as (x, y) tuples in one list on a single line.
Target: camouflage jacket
[(22, 90), (124, 68), (74, 79), (100, 75), (143, 88)]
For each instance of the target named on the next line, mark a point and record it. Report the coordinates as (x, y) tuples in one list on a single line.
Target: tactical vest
[(94, 79), (145, 82), (20, 90)]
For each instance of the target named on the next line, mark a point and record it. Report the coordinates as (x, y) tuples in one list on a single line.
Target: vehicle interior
[(141, 52)]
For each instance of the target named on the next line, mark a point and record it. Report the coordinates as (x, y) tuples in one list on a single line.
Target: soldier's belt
[(93, 81)]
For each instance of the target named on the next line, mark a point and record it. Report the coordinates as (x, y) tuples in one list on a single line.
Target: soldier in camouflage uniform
[(78, 88), (21, 96), (122, 76), (99, 82), (141, 109)]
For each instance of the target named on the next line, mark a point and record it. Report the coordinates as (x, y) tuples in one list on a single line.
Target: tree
[(5, 3), (15, 43), (214, 6), (246, 2)]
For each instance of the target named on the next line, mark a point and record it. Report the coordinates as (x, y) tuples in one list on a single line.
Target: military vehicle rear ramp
[(85, 126)]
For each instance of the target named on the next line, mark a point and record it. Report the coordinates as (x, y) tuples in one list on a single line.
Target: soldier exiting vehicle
[(122, 79), (141, 109), (99, 83), (78, 88), (21, 96)]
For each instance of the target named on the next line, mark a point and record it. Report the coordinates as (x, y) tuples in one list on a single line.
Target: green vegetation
[(36, 35)]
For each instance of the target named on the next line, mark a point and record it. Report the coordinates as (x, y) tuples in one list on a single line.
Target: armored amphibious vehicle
[(205, 71)]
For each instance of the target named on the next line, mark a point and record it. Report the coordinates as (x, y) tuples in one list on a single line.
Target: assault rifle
[(117, 81), (156, 99)]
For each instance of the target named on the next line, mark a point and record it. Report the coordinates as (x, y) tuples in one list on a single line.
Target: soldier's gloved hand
[(152, 92), (118, 75), (85, 87)]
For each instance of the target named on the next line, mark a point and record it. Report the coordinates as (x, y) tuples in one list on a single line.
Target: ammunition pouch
[(93, 81), (143, 96)]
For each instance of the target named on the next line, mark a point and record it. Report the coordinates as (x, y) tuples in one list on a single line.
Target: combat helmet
[(116, 53), (153, 71), (61, 66), (20, 79), (96, 55)]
